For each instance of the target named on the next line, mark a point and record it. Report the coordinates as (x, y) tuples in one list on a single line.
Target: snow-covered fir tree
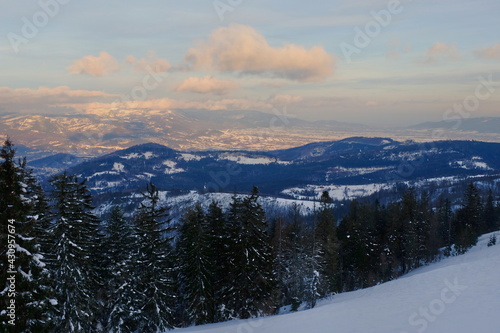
[(20, 212), (153, 266), (72, 256), (196, 276), (118, 246), (251, 267)]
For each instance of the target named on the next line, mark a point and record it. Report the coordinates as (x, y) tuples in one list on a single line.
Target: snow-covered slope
[(457, 295)]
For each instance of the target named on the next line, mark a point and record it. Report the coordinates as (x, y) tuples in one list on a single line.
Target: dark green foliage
[(326, 247), (21, 260), (251, 266), (196, 267), (72, 255), (153, 275), (468, 222), (489, 214), (118, 246)]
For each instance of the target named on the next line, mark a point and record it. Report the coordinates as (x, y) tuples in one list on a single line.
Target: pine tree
[(118, 246), (22, 262), (153, 282), (72, 255), (196, 267)]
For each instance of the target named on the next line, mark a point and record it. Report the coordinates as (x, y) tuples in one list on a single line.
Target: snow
[(190, 157), (459, 294), (336, 192), (171, 167), (131, 155), (242, 159), (118, 167), (475, 163), (147, 155)]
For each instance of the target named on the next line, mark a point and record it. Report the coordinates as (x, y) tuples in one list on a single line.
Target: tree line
[(75, 272)]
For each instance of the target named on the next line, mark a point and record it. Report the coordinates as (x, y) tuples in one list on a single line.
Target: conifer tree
[(21, 260), (220, 257), (489, 215), (468, 221), (118, 246), (153, 282), (445, 217), (196, 267), (251, 264), (72, 255), (327, 247)]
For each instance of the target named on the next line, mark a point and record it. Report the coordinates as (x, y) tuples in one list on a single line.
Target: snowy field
[(457, 295)]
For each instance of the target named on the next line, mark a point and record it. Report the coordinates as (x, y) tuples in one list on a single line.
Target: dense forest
[(64, 269)]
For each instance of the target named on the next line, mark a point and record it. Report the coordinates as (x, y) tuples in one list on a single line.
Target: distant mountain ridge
[(482, 124), (109, 130), (349, 161)]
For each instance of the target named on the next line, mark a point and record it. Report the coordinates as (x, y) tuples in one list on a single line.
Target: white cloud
[(242, 49), (101, 65), (46, 99), (151, 63), (207, 85)]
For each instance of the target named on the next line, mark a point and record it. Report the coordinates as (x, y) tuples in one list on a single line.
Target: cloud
[(207, 85), (442, 51), (46, 99), (242, 49), (492, 52), (101, 65), (151, 63)]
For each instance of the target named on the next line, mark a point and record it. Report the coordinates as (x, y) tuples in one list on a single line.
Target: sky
[(378, 62)]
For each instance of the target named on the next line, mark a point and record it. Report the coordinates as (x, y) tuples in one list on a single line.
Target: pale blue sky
[(426, 59)]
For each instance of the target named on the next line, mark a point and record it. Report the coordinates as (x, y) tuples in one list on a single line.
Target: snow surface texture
[(457, 295)]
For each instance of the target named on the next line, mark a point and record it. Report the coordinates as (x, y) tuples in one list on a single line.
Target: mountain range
[(348, 168), (105, 131)]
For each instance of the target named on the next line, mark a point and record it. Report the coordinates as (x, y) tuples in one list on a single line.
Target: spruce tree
[(21, 260), (468, 221), (153, 282), (327, 247), (220, 257), (489, 214), (196, 267), (251, 264), (118, 246), (72, 255)]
